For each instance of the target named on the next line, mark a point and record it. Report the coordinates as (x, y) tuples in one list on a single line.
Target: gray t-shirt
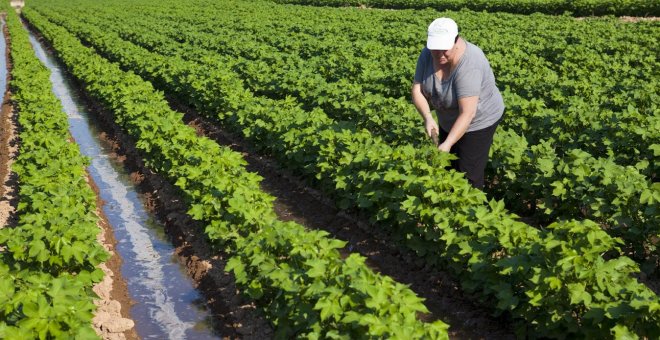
[(472, 77)]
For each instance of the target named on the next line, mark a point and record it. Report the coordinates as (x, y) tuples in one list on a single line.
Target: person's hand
[(444, 147), (430, 125)]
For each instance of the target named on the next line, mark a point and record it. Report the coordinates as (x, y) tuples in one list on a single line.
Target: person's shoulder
[(424, 55), (474, 50), (472, 47)]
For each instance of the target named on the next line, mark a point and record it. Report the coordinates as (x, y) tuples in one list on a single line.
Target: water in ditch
[(3, 64), (166, 304)]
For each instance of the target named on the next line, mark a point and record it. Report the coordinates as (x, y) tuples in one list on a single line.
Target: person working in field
[(454, 77)]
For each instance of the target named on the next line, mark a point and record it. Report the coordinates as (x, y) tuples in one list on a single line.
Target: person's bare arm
[(467, 109), (424, 109)]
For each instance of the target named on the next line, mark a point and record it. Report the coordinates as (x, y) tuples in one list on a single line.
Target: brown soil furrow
[(8, 149)]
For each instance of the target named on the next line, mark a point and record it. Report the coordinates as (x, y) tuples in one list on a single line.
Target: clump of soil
[(638, 19), (8, 151)]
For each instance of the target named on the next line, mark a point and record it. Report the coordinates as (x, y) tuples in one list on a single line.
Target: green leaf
[(235, 265), (317, 268)]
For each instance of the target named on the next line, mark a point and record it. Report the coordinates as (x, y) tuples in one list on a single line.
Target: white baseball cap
[(442, 33)]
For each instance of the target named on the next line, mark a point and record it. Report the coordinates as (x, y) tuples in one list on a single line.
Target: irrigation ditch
[(156, 297)]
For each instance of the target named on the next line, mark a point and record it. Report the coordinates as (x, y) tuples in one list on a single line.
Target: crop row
[(533, 274), (574, 185), (48, 260), (563, 89), (297, 275), (557, 7)]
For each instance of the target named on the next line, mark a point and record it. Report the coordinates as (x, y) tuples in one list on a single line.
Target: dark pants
[(472, 151)]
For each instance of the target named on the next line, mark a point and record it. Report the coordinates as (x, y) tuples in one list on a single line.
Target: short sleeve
[(468, 83), (421, 67)]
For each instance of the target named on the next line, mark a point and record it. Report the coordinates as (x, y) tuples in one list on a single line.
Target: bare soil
[(638, 19), (8, 149), (625, 18)]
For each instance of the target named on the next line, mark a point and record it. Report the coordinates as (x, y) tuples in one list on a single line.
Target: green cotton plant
[(347, 97), (553, 7), (325, 296), (49, 260), (38, 305), (54, 225), (240, 217), (584, 187), (598, 182), (434, 212), (589, 292)]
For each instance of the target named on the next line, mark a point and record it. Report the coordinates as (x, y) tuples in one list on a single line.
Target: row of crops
[(324, 93), (557, 7), (311, 289), (584, 151), (48, 261)]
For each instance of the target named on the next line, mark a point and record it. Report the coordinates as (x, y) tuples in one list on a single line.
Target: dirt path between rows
[(8, 151), (8, 148), (638, 19), (295, 201)]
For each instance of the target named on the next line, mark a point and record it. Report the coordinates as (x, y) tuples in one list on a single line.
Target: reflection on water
[(166, 304), (3, 61)]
